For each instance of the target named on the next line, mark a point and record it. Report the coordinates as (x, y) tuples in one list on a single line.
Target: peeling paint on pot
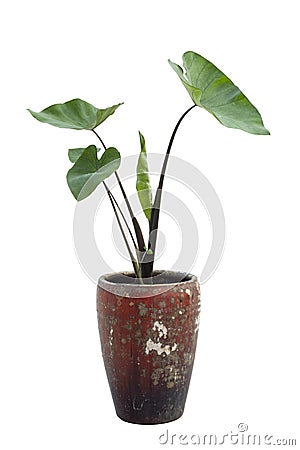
[(162, 329), (157, 346), (148, 346)]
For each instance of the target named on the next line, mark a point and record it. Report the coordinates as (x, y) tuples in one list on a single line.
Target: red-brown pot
[(148, 337)]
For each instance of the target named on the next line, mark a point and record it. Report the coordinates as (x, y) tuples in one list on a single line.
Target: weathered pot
[(148, 337)]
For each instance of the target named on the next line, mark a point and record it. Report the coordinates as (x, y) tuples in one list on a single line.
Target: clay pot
[(148, 337)]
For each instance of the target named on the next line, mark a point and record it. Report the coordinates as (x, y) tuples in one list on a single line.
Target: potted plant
[(148, 320)]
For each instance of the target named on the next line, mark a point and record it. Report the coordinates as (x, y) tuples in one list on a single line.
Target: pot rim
[(183, 278)]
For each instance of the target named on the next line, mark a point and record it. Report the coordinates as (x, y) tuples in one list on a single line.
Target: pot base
[(147, 422)]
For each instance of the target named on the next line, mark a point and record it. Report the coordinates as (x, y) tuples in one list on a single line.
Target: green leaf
[(88, 172), (210, 89), (75, 114), (143, 185), (75, 153)]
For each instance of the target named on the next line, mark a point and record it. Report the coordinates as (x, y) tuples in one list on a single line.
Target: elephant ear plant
[(208, 88)]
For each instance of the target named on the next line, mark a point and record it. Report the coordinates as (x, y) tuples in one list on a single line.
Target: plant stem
[(121, 212), (102, 143), (140, 247), (157, 202), (137, 228), (139, 261), (135, 264)]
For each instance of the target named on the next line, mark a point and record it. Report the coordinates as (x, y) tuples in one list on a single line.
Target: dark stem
[(157, 202), (136, 225), (102, 143), (134, 262), (121, 212)]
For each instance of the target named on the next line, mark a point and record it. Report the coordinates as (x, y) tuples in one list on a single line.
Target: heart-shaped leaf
[(88, 172), (210, 89), (75, 153), (143, 185), (75, 114)]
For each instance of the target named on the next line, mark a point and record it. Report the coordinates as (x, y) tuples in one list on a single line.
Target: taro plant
[(208, 88)]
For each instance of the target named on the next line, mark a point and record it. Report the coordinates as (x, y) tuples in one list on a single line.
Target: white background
[(54, 393)]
